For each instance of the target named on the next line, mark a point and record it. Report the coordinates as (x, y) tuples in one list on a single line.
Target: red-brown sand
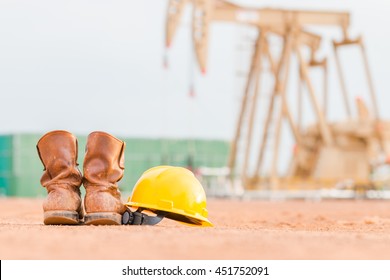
[(255, 229)]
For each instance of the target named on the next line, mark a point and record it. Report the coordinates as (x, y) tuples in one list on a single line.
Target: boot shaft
[(104, 160), (103, 167), (58, 152)]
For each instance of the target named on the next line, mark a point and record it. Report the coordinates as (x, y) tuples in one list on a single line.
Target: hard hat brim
[(175, 214)]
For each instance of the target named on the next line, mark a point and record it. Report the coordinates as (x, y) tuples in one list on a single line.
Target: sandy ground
[(352, 229)]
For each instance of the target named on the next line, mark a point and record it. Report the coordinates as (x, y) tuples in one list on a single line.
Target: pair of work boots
[(103, 167)]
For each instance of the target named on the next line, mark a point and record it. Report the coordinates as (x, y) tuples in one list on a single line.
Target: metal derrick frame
[(290, 26)]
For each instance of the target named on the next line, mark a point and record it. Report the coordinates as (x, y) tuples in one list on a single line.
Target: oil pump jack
[(326, 153)]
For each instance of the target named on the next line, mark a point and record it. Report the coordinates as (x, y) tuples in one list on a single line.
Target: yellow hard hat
[(173, 191)]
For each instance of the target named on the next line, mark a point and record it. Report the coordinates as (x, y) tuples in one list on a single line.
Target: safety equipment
[(103, 167), (170, 192), (61, 178), (138, 218)]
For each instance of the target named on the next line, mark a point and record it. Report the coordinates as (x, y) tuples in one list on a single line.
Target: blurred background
[(84, 65)]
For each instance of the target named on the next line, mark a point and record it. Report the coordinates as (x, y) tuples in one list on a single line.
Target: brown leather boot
[(61, 178), (103, 168)]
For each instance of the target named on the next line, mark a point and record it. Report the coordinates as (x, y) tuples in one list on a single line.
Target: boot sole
[(61, 218), (103, 218)]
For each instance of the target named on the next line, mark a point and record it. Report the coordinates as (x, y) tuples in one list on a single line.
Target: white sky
[(97, 65)]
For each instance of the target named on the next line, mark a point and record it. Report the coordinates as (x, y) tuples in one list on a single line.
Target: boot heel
[(61, 217), (103, 218)]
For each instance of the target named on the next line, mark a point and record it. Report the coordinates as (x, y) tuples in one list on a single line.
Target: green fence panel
[(5, 164), (21, 168), (27, 167), (140, 155)]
